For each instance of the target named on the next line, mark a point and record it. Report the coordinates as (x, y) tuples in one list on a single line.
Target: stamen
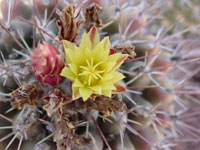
[(89, 80), (100, 71), (99, 76), (83, 67), (84, 73), (92, 61), (97, 64), (94, 76), (88, 63), (90, 71)]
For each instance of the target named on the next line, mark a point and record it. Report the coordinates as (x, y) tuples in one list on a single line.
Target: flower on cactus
[(47, 63), (91, 68)]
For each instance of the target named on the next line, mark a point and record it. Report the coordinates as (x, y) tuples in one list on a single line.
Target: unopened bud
[(47, 63)]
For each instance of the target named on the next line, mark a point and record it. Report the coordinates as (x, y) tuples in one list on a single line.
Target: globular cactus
[(97, 74)]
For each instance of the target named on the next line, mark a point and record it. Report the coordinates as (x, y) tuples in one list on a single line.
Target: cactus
[(97, 74)]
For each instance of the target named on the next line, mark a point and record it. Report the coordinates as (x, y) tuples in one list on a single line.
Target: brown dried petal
[(92, 17), (65, 137), (106, 105), (101, 103), (56, 100), (68, 26), (82, 141), (125, 49), (25, 95)]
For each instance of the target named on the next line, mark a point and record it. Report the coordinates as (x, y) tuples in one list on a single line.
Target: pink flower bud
[(47, 63)]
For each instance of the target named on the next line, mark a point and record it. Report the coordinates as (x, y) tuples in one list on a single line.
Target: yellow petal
[(119, 58), (117, 76), (97, 89), (85, 42), (79, 56), (76, 93), (73, 68), (68, 44), (114, 57), (107, 66), (88, 54), (85, 93), (66, 72), (77, 83), (106, 44), (98, 49), (94, 36), (70, 55), (107, 77), (99, 53), (108, 86), (107, 93), (112, 77)]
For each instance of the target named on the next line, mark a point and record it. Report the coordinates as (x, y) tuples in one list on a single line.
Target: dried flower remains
[(56, 99), (65, 136), (92, 17), (24, 95), (68, 26)]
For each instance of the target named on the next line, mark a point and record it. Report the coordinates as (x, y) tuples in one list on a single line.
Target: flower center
[(90, 72)]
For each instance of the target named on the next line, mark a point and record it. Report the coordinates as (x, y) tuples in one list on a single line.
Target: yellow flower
[(91, 68)]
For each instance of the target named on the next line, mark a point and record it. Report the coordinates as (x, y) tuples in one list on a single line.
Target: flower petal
[(78, 56), (117, 76), (107, 77), (76, 93), (107, 66), (107, 93), (120, 87), (73, 68), (85, 93), (88, 53), (107, 86), (102, 50), (77, 83), (114, 57), (119, 58), (106, 44), (70, 55), (66, 72), (68, 44), (112, 77), (85, 42), (97, 89), (94, 36)]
